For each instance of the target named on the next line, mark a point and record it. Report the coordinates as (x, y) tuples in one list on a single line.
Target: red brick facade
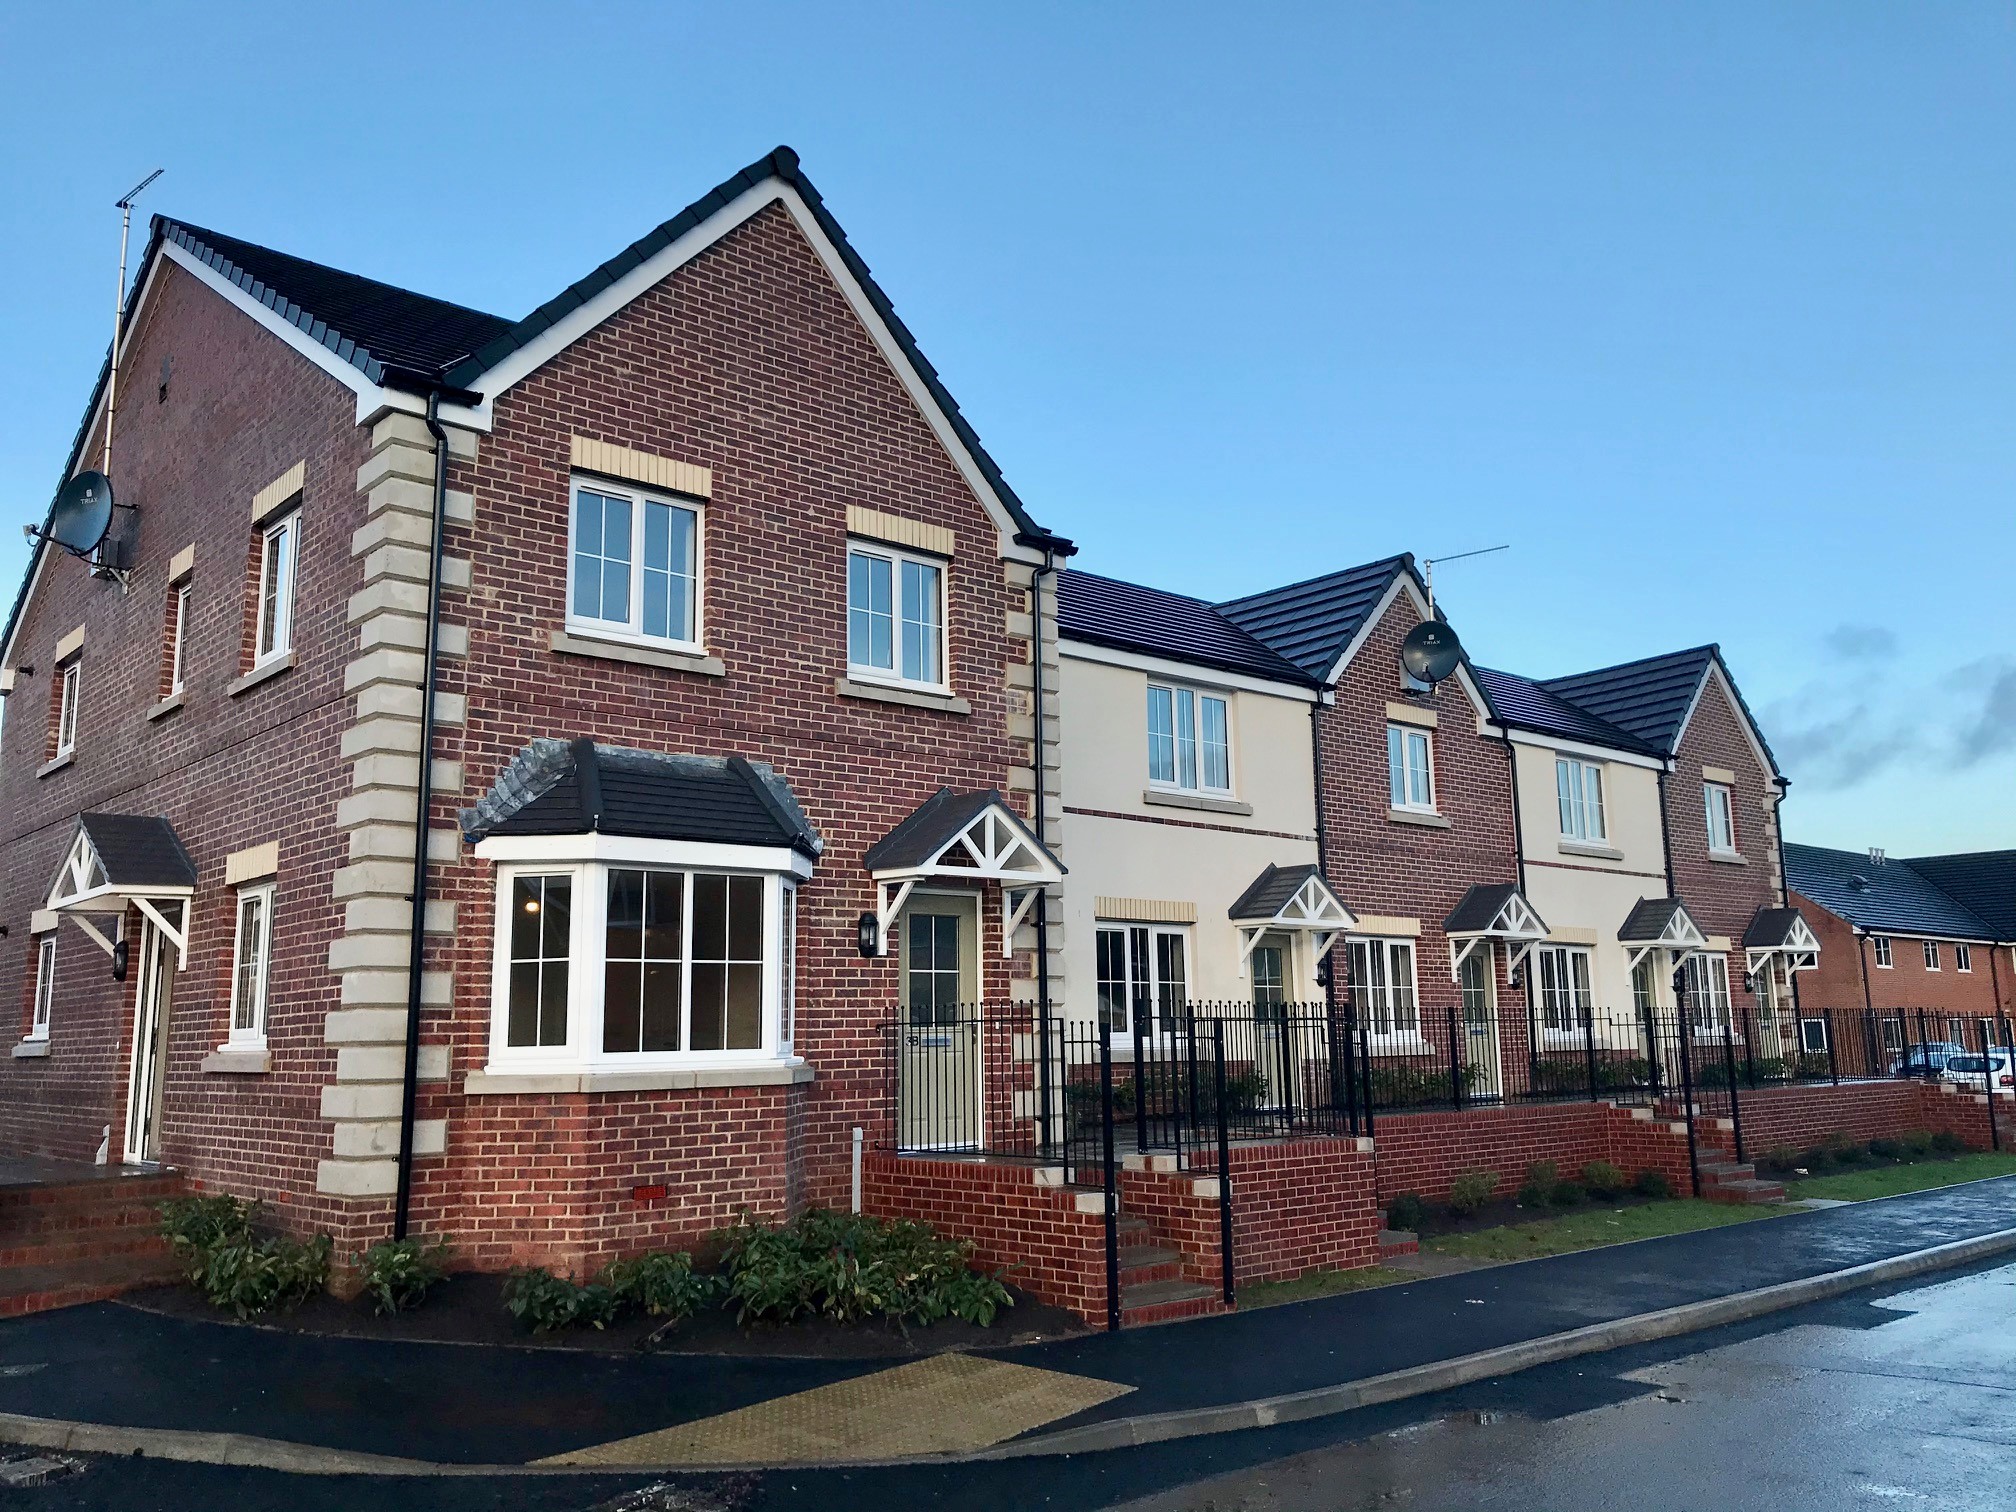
[(1849, 978), (1423, 1153)]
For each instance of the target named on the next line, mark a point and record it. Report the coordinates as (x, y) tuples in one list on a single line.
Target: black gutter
[(423, 808)]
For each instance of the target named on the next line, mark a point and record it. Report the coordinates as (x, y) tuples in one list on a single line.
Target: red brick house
[(727, 621)]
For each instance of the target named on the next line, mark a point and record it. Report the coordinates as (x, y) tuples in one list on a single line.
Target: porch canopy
[(1291, 898), (117, 861), (1780, 934), (964, 837), (1488, 913), (1660, 924)]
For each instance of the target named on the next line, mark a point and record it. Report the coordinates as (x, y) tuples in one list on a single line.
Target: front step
[(1166, 1301), (1727, 1181), (68, 1241), (40, 1288), (1398, 1242)]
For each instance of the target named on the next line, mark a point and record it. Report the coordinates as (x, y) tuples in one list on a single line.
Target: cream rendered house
[(1189, 810)]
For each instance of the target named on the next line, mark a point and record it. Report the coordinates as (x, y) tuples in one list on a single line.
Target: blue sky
[(1705, 308)]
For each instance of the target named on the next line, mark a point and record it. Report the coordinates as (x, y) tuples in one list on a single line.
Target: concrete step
[(1746, 1191), (1398, 1242), (39, 1288), (1166, 1301), (1141, 1264)]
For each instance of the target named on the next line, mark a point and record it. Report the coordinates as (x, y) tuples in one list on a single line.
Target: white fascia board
[(647, 275), (1562, 747), (640, 851), (1402, 582), (1183, 672)]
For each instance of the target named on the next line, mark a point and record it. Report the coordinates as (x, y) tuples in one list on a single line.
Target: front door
[(1275, 1057), (150, 1047), (940, 1039), (1480, 1025)]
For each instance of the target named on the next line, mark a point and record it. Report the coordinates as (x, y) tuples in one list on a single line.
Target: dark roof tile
[(1107, 612), (1523, 704), (1982, 882), (1312, 622), (1891, 898)]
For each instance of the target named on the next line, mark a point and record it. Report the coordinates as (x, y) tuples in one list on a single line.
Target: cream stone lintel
[(253, 861), (614, 461), (43, 920), (1386, 924), (70, 645), (357, 1178), (182, 563), (8, 677), (1145, 910), (1720, 944), (1573, 934), (1717, 774), (1406, 713), (280, 491), (897, 531)]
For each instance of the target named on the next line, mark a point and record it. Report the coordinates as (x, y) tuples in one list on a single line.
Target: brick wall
[(1906, 983), (1423, 1153), (229, 772), (1798, 1118)]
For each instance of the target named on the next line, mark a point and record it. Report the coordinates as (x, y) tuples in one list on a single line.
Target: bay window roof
[(578, 787)]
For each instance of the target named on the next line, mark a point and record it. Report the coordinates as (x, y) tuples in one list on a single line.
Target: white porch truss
[(1311, 909), (1516, 925), (84, 886), (991, 843)]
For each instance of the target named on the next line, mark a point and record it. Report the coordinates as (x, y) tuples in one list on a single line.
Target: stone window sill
[(1416, 816), (1163, 798), (264, 672), (1582, 848), (31, 1049), (641, 656), (166, 707), (1728, 858), (913, 698), (239, 1061), (688, 1079), (55, 764)]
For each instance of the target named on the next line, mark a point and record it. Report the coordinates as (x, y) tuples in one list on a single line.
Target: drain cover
[(36, 1470)]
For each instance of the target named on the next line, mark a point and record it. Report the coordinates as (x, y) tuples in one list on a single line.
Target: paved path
[(457, 1404)]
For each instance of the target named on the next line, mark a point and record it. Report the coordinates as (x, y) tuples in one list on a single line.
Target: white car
[(1967, 1070)]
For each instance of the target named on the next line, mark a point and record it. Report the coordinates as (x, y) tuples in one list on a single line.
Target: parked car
[(1967, 1070), (1926, 1060)]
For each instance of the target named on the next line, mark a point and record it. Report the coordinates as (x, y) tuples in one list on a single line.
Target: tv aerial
[(1431, 651)]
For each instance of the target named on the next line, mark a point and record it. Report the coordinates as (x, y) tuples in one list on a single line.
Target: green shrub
[(1541, 1178), (543, 1302), (1614, 1072), (1471, 1190), (1653, 1184), (399, 1273), (1569, 1194), (1946, 1142), (1848, 1152), (1817, 1159), (232, 1265), (1406, 1212), (1887, 1149), (663, 1284), (1778, 1158), (1917, 1143), (1604, 1179), (1405, 1086), (848, 1267)]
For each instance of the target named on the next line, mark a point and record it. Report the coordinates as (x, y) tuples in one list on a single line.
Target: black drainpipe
[(423, 805), (1785, 901), (1036, 577), (1323, 690)]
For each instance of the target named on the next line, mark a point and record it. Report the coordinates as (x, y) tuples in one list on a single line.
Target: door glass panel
[(933, 967)]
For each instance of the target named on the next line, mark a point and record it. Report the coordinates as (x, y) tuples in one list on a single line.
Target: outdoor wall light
[(121, 954), (868, 935)]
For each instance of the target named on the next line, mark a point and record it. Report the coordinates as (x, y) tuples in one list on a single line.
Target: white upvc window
[(45, 986), (1931, 949), (66, 708), (614, 965), (1383, 990), (1707, 992), (896, 617), (1189, 739), (1566, 998), (178, 637), (1813, 1036), (1963, 957), (634, 565), (1143, 973), (251, 958), (1410, 768), (1579, 787), (279, 552), (1715, 798), (1881, 945)]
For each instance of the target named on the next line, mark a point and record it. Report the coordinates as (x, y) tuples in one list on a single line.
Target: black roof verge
[(926, 829), (1523, 704), (368, 324), (1312, 622), (1890, 898), (1982, 882), (563, 787), (1270, 892), (782, 163), (1108, 612), (1650, 697), (139, 850)]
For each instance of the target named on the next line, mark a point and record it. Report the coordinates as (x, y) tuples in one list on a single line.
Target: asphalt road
[(1899, 1398)]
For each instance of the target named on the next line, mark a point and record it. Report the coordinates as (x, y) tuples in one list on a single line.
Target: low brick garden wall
[(1423, 1153)]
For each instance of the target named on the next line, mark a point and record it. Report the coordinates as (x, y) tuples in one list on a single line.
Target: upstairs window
[(1579, 786), (250, 957), (45, 987), (895, 617), (1881, 945), (178, 637), (1721, 818), (1931, 949), (1410, 771), (278, 548), (1189, 740), (1963, 957), (635, 566), (66, 709)]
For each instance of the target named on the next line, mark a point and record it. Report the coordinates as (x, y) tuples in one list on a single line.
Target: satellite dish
[(1430, 652), (82, 515)]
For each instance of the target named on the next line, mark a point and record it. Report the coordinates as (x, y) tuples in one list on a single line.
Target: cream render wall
[(1121, 845), (1583, 896)]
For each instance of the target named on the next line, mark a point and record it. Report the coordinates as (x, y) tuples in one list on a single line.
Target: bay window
[(1189, 740), (1382, 989), (895, 617), (634, 566)]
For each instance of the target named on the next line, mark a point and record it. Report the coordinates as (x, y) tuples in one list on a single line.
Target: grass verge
[(1594, 1227), (1329, 1283), (1895, 1180)]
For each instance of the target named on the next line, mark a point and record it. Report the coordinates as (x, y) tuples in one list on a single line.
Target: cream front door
[(1480, 1025), (150, 1047), (941, 1036)]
